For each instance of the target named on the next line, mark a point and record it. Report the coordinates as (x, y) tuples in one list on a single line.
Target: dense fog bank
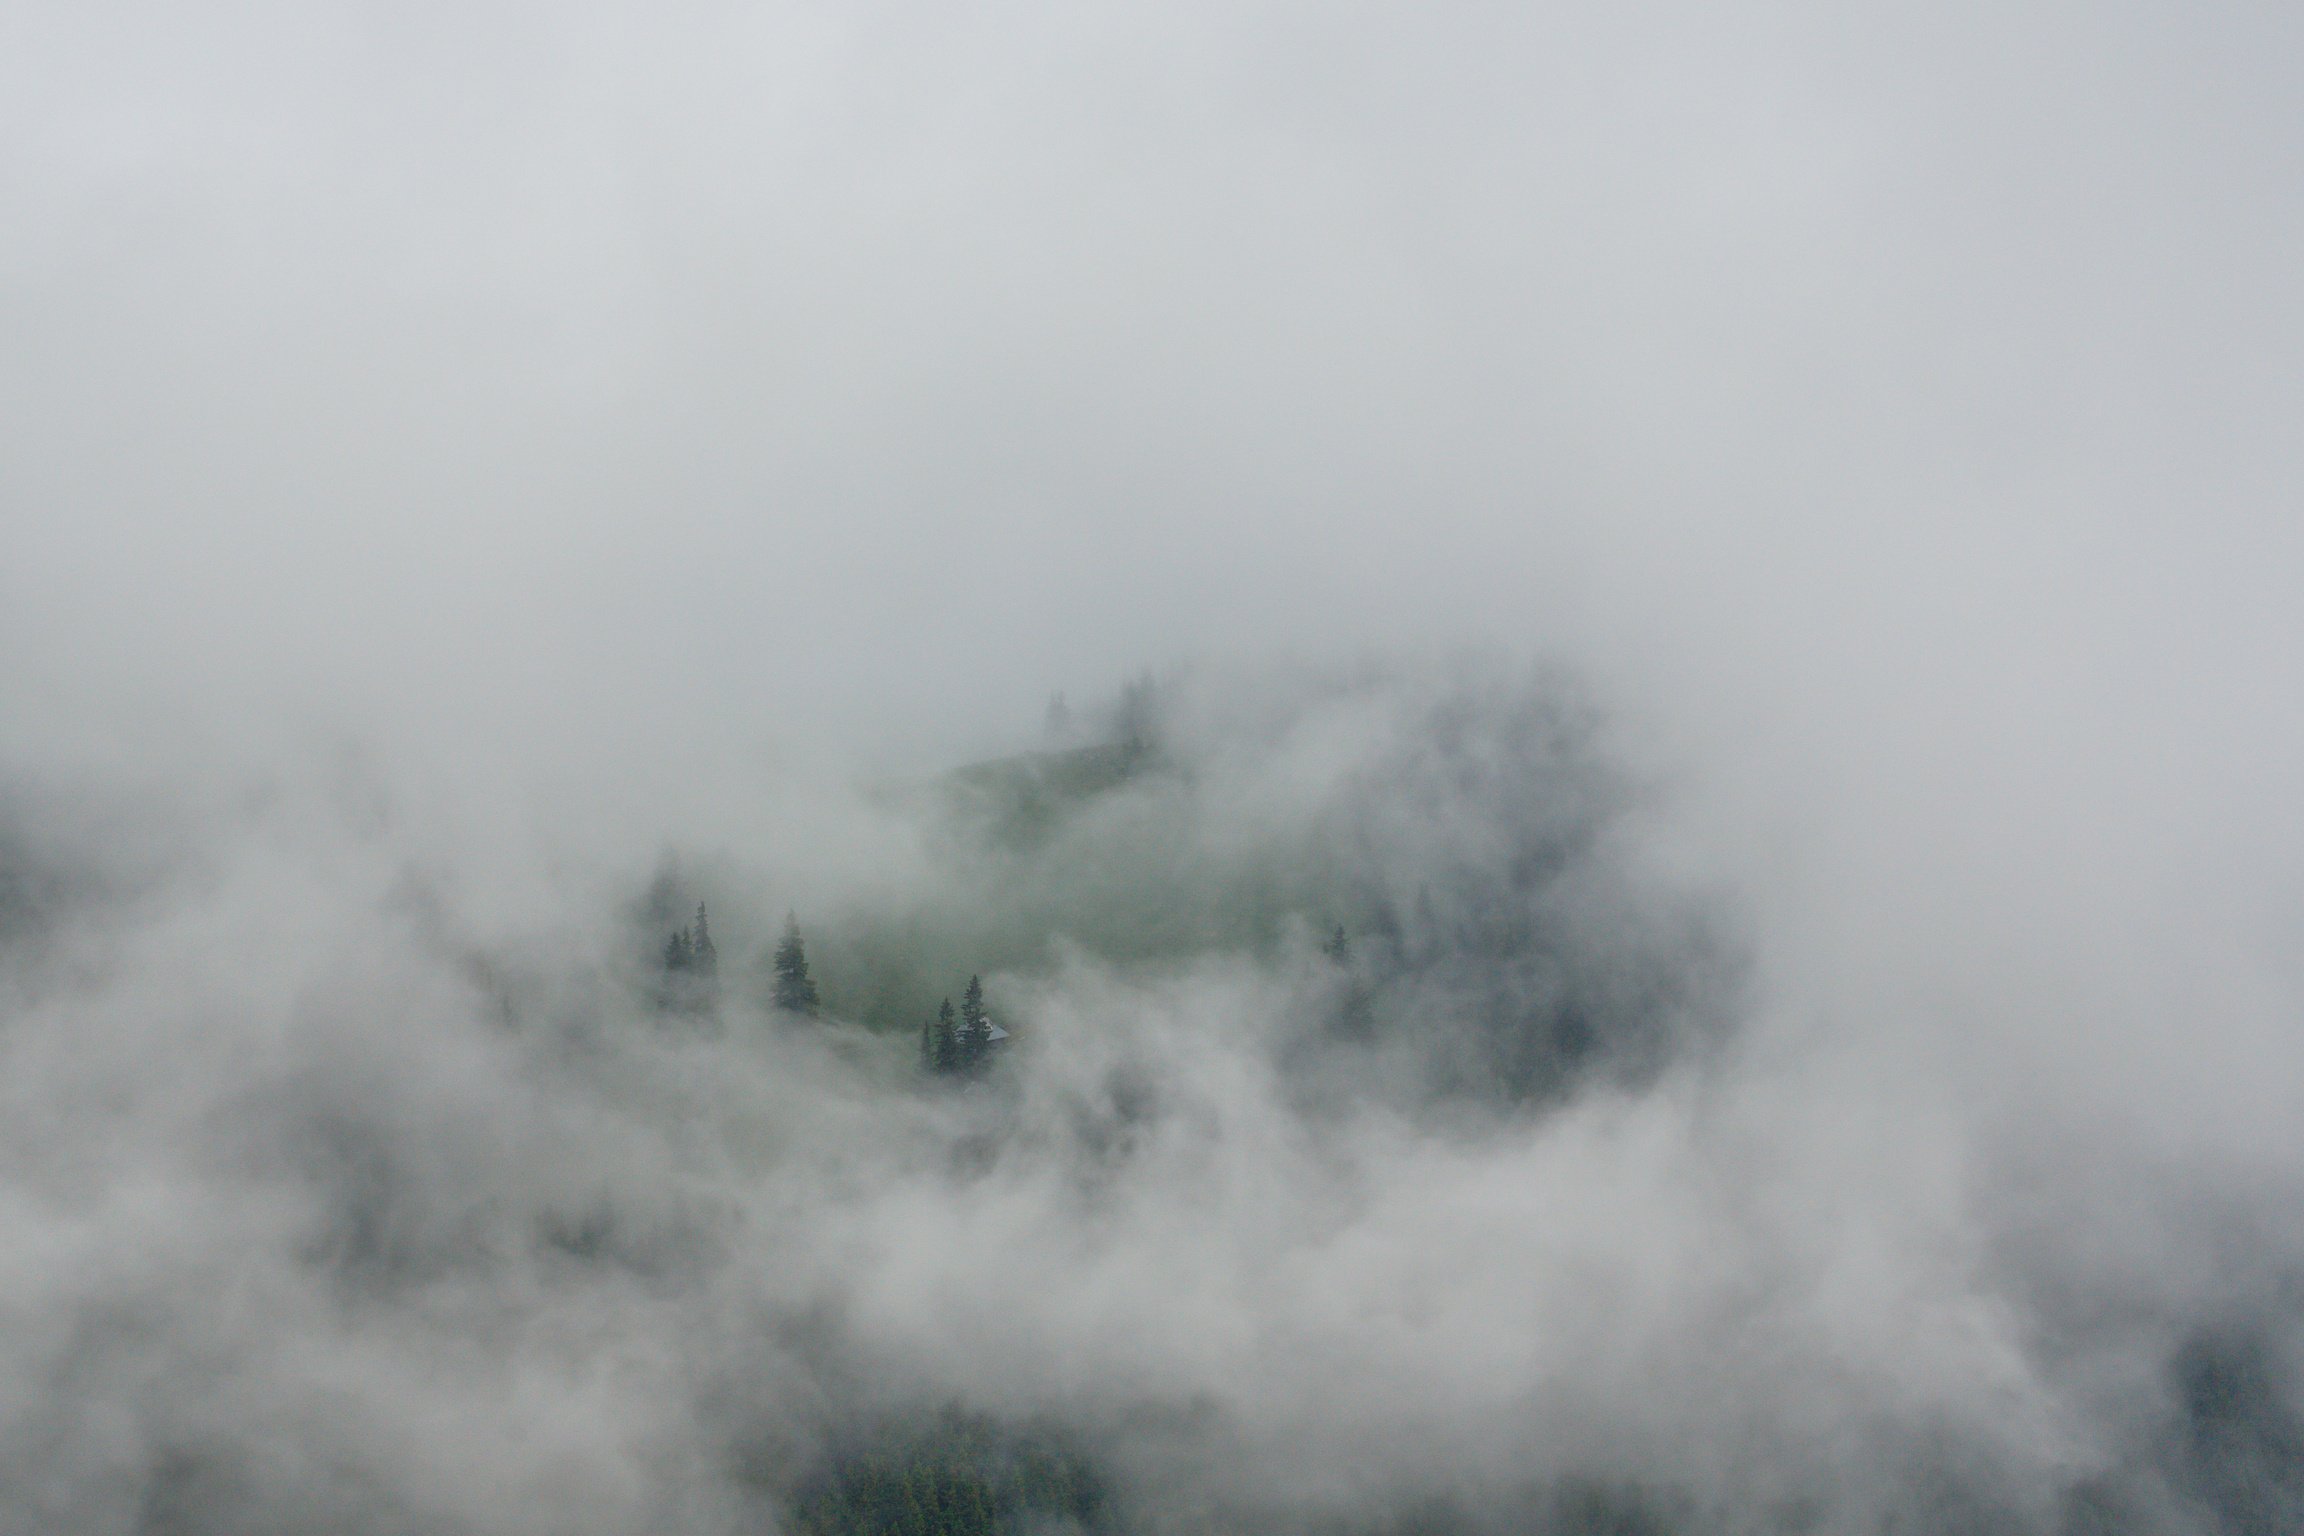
[(534, 543), (1387, 1138)]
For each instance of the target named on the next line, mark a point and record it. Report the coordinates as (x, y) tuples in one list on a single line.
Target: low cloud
[(333, 1202)]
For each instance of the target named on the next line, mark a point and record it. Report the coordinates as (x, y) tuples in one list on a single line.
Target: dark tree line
[(692, 967), (962, 1476), (960, 1044), (690, 951), (691, 978)]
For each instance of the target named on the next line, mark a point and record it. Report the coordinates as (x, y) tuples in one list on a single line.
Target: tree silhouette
[(703, 958), (795, 989), (944, 1052), (975, 1028)]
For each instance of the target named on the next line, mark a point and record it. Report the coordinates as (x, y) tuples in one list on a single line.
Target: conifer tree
[(795, 990), (947, 1037), (975, 1027), (703, 958), (679, 954)]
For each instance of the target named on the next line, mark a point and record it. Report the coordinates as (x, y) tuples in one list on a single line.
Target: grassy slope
[(1099, 846)]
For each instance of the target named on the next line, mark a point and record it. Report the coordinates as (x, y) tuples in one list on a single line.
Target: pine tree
[(702, 957), (795, 990), (947, 1050), (679, 954), (975, 1027)]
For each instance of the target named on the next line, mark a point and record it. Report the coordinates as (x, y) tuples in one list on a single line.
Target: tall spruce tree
[(703, 958), (795, 989), (975, 1028), (676, 986), (947, 1037)]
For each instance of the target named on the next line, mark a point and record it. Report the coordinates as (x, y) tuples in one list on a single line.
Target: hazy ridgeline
[(348, 1185)]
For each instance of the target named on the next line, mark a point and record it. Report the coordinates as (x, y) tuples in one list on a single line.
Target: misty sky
[(1896, 413)]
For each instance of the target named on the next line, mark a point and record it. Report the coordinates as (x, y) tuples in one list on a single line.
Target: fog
[(1741, 564)]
